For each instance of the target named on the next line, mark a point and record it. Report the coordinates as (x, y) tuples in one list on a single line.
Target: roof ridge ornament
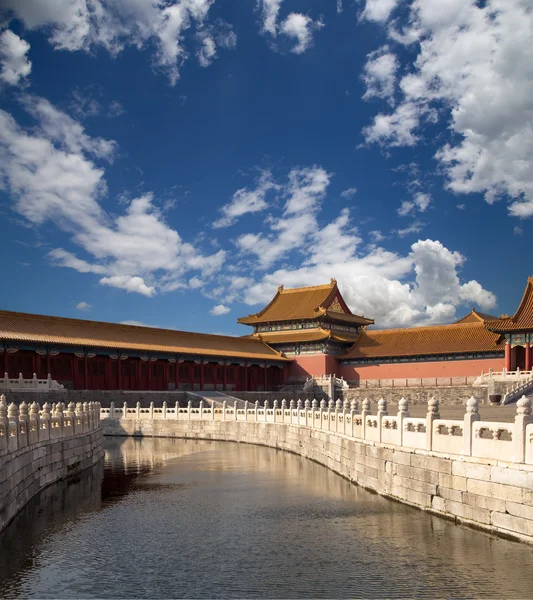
[(280, 288)]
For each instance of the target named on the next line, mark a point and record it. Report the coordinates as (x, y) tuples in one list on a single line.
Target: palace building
[(302, 332)]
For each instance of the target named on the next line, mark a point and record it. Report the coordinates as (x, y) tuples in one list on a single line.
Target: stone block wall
[(493, 495), (456, 395), (42, 447)]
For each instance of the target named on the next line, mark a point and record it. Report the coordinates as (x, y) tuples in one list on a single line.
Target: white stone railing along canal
[(467, 437)]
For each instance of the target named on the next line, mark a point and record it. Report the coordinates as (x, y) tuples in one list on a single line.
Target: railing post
[(331, 408), (235, 410), (338, 408), (151, 410), (283, 409), (367, 410), (307, 407), (266, 407), (299, 409), (111, 410), (164, 409), (201, 410), (403, 412), (256, 409), (354, 407), (138, 410), (322, 409), (382, 412), (314, 408), (125, 410), (246, 410), (471, 416), (522, 419), (432, 415), (275, 406)]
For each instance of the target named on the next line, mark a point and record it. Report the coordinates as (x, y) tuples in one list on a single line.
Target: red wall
[(314, 364), (444, 368)]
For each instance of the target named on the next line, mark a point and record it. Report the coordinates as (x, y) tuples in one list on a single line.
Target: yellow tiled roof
[(23, 327), (303, 303), (522, 320), (416, 341), (306, 335)]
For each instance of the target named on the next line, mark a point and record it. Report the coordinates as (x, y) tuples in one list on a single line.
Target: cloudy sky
[(171, 163)]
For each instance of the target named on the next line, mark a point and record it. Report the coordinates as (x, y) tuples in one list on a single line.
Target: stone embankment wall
[(474, 472), (39, 447), (455, 395)]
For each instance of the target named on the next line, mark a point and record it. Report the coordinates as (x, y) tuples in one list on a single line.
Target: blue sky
[(172, 163)]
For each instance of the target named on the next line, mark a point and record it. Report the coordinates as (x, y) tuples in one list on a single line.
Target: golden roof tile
[(23, 327), (303, 303), (456, 338), (522, 320), (306, 335)]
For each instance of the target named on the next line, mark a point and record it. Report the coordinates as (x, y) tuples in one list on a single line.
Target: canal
[(167, 518)]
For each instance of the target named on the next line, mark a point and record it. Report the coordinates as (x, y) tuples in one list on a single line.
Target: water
[(198, 519)]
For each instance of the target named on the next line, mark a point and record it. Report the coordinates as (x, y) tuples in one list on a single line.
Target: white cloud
[(300, 27), (83, 105), (270, 16), (295, 25), (415, 227), (221, 34), (83, 306), (116, 24), (136, 323), (14, 63), (247, 201), (379, 10), (218, 310), (468, 56), (130, 284), (348, 193), (115, 109), (380, 74), (420, 203), (70, 135), (47, 172), (304, 191), (518, 230)]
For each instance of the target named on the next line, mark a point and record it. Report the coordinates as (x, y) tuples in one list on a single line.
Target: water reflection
[(186, 518)]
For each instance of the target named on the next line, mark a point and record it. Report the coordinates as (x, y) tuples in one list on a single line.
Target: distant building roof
[(306, 303), (457, 338), (23, 327), (475, 316), (522, 320)]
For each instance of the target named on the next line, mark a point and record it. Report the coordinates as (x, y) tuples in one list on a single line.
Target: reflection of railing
[(19, 383), (24, 425), (468, 436)]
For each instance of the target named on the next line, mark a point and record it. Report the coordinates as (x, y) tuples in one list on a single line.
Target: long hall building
[(300, 333)]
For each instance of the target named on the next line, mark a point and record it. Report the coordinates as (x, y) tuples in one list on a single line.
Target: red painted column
[(508, 356), (48, 368), (177, 375), (528, 357), (119, 374), (246, 377), (137, 374), (85, 373), (165, 375), (202, 375), (6, 362), (224, 377), (265, 378), (149, 374), (34, 363)]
